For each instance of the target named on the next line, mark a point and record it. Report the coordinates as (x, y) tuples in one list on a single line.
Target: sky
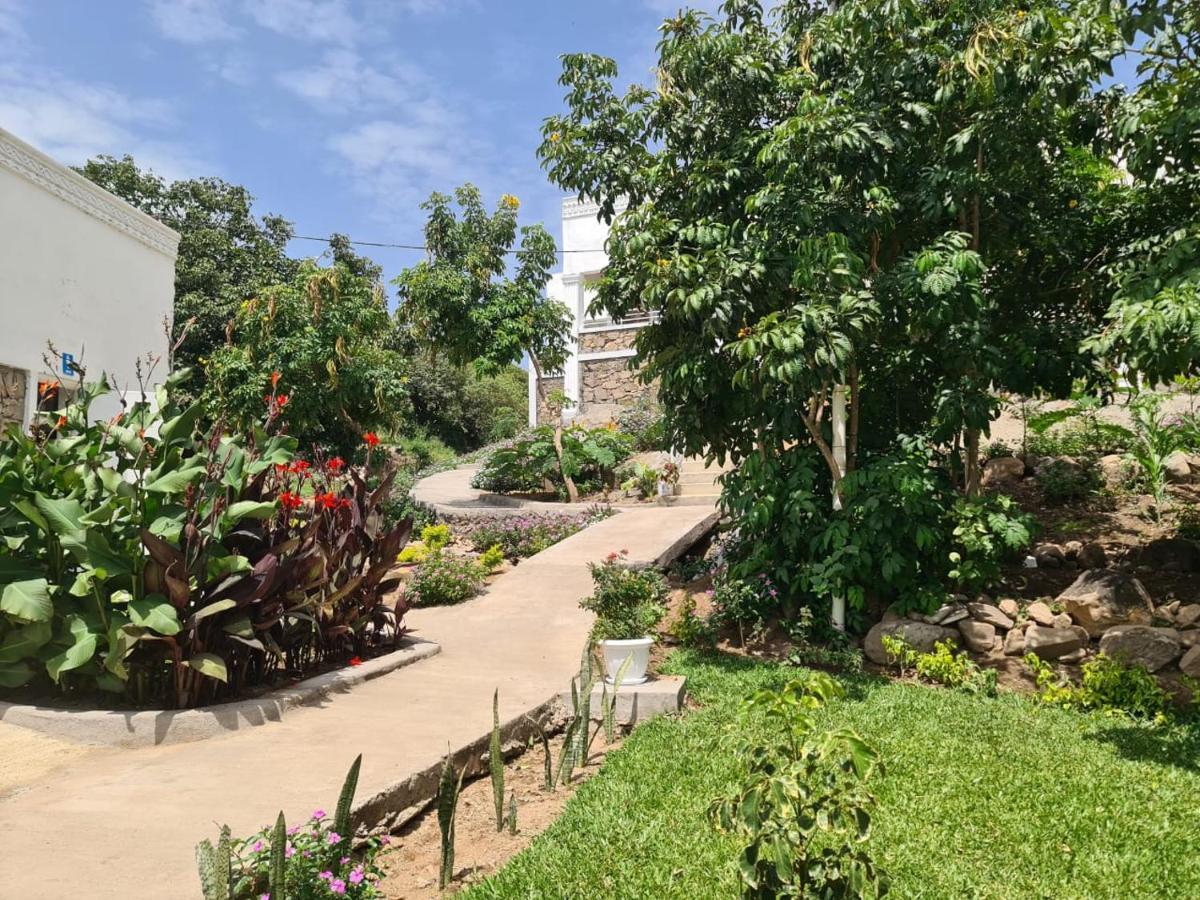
[(340, 115)]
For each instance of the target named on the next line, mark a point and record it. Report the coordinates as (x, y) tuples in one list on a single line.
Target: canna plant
[(141, 557)]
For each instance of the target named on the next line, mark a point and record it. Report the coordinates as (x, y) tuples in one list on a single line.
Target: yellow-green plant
[(491, 559), (1106, 686)]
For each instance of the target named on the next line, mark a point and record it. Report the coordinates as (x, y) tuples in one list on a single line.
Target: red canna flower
[(282, 468), (301, 467), (371, 439), (281, 400), (62, 422), (356, 660), (288, 500), (344, 503), (327, 501), (336, 464), (275, 379)]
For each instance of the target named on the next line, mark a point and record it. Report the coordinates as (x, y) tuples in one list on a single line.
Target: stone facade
[(607, 386), (13, 385), (549, 385), (605, 341)]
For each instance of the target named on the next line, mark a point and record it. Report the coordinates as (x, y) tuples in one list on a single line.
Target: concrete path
[(123, 824), (450, 494)]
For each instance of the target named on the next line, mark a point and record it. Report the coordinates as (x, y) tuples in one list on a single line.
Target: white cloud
[(72, 121), (344, 80), (194, 21), (314, 20)]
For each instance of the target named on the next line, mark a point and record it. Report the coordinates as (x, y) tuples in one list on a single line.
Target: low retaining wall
[(149, 727)]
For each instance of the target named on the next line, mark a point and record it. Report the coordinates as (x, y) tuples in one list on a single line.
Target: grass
[(987, 798)]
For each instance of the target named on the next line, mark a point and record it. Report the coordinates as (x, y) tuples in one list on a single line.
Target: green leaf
[(180, 427), (61, 516), (175, 482), (28, 601), (250, 509), (155, 613), (212, 609), (224, 566), (14, 674), (24, 642), (209, 664), (80, 652)]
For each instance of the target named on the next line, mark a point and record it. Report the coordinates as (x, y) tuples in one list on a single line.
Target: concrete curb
[(152, 727)]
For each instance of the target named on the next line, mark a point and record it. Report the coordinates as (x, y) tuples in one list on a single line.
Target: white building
[(597, 377), (82, 270)]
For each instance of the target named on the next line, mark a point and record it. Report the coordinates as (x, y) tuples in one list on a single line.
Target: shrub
[(690, 629), (1069, 480), (524, 536), (628, 602), (822, 646), (802, 809), (436, 537), (590, 457), (1107, 686), (744, 603), (444, 579), (645, 425), (417, 452), (491, 559), (942, 666), (998, 449), (987, 531), (642, 480), (176, 568)]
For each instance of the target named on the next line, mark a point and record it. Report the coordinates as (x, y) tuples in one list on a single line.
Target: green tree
[(318, 346), (874, 193), (226, 253)]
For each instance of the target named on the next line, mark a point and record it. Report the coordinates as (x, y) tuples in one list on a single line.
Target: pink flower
[(258, 845), (289, 852), (357, 876), (344, 860), (337, 886), (318, 814), (326, 875), (293, 829), (264, 897), (334, 838), (385, 840)]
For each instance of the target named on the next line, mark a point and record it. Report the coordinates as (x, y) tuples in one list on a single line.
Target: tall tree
[(875, 193), (226, 253)]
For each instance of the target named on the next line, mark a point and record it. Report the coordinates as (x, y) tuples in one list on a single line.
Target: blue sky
[(341, 115)]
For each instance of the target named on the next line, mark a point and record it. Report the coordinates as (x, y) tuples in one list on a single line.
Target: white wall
[(80, 268)]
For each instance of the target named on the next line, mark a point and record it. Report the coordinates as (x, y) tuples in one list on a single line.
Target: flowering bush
[(444, 579), (628, 602), (317, 863), (522, 537)]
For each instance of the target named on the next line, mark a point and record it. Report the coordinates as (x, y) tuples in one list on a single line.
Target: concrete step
[(690, 500)]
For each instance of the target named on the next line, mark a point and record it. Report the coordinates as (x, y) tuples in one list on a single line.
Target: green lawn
[(982, 798)]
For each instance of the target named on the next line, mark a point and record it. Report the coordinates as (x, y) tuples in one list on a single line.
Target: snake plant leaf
[(80, 652), (155, 613), (28, 601), (211, 665)]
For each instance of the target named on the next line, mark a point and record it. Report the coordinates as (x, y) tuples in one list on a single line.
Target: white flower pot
[(637, 651)]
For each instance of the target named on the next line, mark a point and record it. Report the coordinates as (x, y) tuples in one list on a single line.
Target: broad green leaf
[(250, 509), (180, 427), (61, 515), (175, 482), (14, 674), (209, 664), (28, 601), (80, 652), (155, 613), (24, 642), (212, 609)]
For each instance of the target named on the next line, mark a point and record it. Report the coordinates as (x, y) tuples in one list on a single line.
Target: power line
[(422, 247)]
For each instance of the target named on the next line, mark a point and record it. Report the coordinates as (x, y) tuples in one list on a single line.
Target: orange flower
[(356, 661), (371, 439), (275, 379)]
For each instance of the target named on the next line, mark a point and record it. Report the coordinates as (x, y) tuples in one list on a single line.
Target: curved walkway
[(123, 824), (450, 494)]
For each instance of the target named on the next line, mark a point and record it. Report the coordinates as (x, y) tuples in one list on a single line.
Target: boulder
[(1101, 598), (978, 636), (1075, 657), (1178, 471), (1010, 608), (1190, 664), (1141, 645), (1170, 555), (1190, 638), (948, 614), (1014, 643), (1041, 613), (991, 615), (890, 615), (920, 635), (1071, 549), (1062, 620), (1049, 556), (1092, 556), (1002, 469), (1114, 469), (1051, 643)]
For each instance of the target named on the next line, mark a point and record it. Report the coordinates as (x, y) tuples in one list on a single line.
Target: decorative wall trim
[(574, 208), (71, 187), (607, 354)]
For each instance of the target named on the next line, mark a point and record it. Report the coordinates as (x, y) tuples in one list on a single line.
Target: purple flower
[(258, 845), (385, 840), (337, 886), (326, 875), (264, 897), (293, 829), (318, 814), (357, 876), (344, 860), (334, 838)]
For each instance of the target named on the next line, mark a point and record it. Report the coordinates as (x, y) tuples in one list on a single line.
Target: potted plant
[(668, 478), (628, 604)]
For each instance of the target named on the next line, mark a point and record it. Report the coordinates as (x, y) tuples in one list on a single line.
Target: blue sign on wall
[(68, 363)]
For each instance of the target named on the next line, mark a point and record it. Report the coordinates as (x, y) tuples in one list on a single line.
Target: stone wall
[(13, 384), (549, 386), (606, 386), (603, 341)]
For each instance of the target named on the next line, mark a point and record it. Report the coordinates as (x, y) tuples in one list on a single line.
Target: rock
[(890, 615), (1178, 471), (1003, 468), (1092, 556), (1049, 556), (1062, 466), (920, 635), (1010, 608), (1062, 620), (1141, 645), (978, 636), (1101, 598), (1040, 613), (1071, 549), (1114, 469), (1014, 643), (986, 612), (1075, 657), (1171, 555), (1190, 664), (948, 614), (1051, 643), (1190, 638)]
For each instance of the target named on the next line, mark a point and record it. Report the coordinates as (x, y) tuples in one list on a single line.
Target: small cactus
[(216, 867)]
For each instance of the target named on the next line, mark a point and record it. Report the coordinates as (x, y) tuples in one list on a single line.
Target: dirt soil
[(411, 862)]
